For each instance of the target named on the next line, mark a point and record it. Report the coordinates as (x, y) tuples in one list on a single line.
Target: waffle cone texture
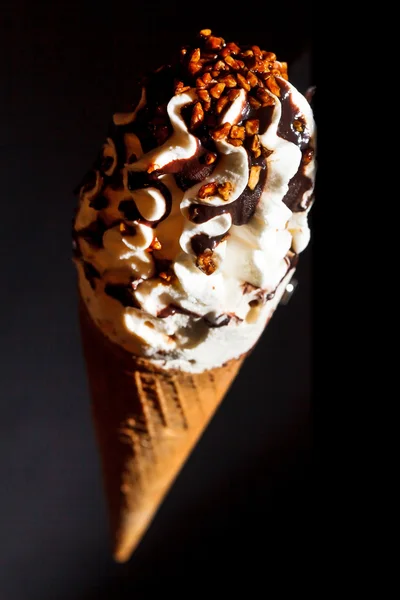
[(147, 421)]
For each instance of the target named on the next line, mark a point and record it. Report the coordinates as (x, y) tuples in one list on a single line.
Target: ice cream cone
[(147, 422)]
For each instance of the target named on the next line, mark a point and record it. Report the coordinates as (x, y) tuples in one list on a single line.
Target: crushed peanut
[(197, 115), (254, 176), (210, 158), (252, 126), (225, 190), (206, 263), (221, 132), (237, 132), (208, 189)]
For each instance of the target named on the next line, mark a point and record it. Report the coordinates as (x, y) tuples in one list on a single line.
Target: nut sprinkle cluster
[(218, 70)]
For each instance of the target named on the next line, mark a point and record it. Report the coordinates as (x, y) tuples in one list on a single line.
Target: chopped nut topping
[(265, 98), (207, 78), (214, 43), (206, 263), (307, 156), (235, 141), (233, 94), (234, 48), (180, 88), (221, 66), (197, 115), (208, 189), (299, 125), (243, 83), (205, 32), (254, 103), (222, 102), (269, 56), (235, 64), (194, 67), (166, 276), (217, 90), (252, 126), (255, 146), (254, 177), (273, 86), (204, 95), (257, 51), (252, 79), (210, 158), (237, 132), (195, 56), (225, 189), (126, 229), (228, 80), (221, 132), (215, 73), (155, 245)]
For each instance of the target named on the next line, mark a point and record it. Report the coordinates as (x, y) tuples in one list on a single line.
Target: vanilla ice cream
[(191, 221)]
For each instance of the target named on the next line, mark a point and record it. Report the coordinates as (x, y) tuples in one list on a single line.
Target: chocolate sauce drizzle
[(300, 182), (123, 293)]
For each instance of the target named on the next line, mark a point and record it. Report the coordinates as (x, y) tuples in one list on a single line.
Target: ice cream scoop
[(196, 208), (187, 232)]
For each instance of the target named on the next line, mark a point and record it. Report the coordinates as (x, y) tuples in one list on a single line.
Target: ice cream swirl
[(191, 220)]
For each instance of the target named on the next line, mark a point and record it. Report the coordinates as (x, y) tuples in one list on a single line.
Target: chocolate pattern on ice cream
[(211, 176)]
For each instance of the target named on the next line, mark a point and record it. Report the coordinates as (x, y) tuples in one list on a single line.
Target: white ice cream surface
[(145, 283)]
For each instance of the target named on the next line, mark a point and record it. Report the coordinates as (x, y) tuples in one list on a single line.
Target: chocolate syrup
[(202, 242)]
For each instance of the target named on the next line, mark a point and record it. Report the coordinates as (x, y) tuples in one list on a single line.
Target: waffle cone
[(147, 421)]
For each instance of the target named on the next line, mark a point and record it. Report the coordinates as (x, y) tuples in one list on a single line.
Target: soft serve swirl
[(190, 223)]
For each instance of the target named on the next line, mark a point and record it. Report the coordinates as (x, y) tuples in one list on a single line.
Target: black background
[(242, 504)]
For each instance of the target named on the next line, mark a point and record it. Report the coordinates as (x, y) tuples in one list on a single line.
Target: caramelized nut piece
[(204, 95), (180, 88), (255, 146), (307, 156), (210, 158), (233, 94), (194, 68), (195, 56), (207, 78), (222, 102), (252, 79), (237, 132), (247, 53), (273, 86), (155, 245), (215, 73), (252, 126), (166, 276), (229, 81), (197, 115), (220, 132), (205, 32), (234, 48), (257, 51), (206, 263), (254, 177), (221, 66), (217, 90), (265, 98), (232, 62), (243, 83), (299, 125), (235, 141), (269, 56), (214, 43), (208, 189), (225, 189)]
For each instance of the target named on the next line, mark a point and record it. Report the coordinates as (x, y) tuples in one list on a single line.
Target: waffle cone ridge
[(147, 421)]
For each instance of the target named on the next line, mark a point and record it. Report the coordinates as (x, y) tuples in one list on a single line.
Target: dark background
[(243, 504)]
